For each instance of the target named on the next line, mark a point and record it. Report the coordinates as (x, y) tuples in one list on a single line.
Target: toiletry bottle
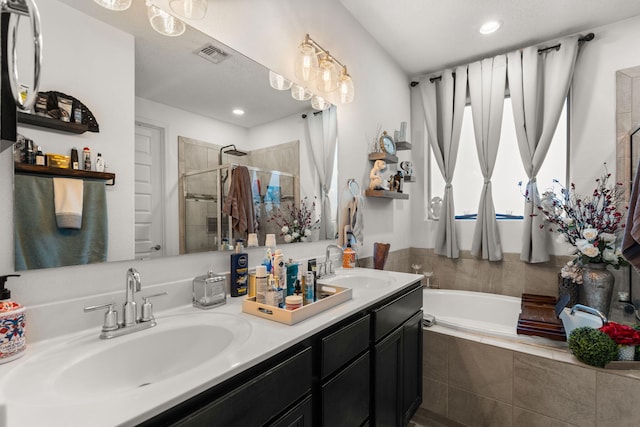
[(99, 163), (262, 283), (272, 296), (292, 276), (239, 271), (309, 288), (280, 270), (75, 164), (349, 257), (86, 156), (12, 324), (39, 157)]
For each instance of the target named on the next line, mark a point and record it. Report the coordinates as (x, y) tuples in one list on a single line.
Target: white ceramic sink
[(360, 278), (88, 368)]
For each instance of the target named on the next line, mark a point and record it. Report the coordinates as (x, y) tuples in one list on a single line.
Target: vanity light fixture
[(190, 9), (314, 63), (278, 82), (300, 93), (117, 5), (319, 103), (490, 27), (164, 23)]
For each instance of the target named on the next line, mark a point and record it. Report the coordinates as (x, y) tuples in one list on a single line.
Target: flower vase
[(597, 285), (566, 286), (626, 352)]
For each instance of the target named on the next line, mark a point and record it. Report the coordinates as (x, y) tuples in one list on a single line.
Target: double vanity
[(358, 363)]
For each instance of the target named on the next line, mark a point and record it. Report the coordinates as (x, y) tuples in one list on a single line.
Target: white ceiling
[(429, 35)]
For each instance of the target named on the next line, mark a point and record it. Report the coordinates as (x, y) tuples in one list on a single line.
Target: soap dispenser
[(13, 341)]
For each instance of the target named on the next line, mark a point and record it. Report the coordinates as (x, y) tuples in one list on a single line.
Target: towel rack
[(28, 169)]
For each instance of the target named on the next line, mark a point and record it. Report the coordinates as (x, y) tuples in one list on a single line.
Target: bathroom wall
[(475, 383)]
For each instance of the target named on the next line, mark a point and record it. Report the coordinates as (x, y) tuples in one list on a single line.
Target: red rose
[(621, 334)]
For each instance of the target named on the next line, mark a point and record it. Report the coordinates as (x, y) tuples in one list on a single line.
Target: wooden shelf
[(70, 173), (385, 194), (51, 123), (403, 145), (389, 158)]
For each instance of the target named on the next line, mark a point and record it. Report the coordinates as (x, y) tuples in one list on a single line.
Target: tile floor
[(422, 418)]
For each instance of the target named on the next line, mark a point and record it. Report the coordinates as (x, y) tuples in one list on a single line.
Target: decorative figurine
[(375, 180), (407, 167)]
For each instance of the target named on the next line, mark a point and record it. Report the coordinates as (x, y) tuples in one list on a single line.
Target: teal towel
[(39, 243)]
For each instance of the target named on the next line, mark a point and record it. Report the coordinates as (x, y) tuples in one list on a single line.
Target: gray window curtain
[(538, 83), (443, 101), (322, 135), (487, 80)]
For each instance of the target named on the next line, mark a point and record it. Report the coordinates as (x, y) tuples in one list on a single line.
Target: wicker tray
[(330, 296)]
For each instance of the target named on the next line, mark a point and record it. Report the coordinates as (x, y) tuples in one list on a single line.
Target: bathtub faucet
[(590, 310)]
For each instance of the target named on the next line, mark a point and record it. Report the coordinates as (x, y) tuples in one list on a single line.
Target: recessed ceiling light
[(238, 111), (490, 27)]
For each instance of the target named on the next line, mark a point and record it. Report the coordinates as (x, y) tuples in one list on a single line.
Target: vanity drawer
[(261, 398), (391, 315), (344, 345)]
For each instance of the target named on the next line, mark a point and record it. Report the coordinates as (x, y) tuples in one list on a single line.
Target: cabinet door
[(411, 366), (300, 416), (345, 397), (387, 391)]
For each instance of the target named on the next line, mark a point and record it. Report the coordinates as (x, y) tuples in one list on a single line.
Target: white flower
[(590, 250), (568, 220), (561, 238), (610, 256), (590, 234), (303, 239), (295, 222), (288, 238), (580, 243), (307, 232), (285, 229), (295, 235), (608, 237)]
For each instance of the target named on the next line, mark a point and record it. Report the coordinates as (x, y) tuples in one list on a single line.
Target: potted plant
[(592, 346), (626, 337)]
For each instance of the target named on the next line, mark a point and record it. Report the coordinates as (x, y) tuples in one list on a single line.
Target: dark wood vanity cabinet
[(365, 370)]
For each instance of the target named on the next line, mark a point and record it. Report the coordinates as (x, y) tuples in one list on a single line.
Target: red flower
[(621, 334)]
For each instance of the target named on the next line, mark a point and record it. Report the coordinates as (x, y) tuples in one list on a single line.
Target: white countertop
[(30, 392)]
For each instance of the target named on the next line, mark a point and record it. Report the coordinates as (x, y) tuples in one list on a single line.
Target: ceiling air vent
[(212, 53)]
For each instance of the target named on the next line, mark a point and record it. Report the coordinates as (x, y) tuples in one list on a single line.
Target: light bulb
[(345, 87), (164, 23), (319, 103), (278, 82), (300, 93), (118, 5), (190, 9), (306, 62), (327, 80)]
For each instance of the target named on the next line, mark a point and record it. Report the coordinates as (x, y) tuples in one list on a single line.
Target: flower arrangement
[(296, 223), (623, 335), (573, 271), (589, 223)]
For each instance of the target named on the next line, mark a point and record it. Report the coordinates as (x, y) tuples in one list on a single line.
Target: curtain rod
[(315, 113), (586, 38)]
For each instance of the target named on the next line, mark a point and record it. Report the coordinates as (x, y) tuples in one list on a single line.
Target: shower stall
[(203, 225)]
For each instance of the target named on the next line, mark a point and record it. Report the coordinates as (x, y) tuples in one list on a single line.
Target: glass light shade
[(327, 79), (270, 241), (306, 63), (278, 82), (319, 103), (164, 23), (190, 9), (345, 88), (300, 93), (118, 5)]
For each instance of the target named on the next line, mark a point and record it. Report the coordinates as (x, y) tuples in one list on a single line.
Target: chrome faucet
[(131, 323), (326, 268)]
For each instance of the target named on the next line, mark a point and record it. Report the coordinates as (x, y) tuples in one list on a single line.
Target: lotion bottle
[(349, 257), (239, 271), (13, 342)]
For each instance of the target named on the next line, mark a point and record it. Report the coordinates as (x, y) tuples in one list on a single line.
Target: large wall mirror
[(165, 109)]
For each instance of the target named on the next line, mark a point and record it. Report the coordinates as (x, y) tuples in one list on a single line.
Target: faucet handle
[(147, 307), (110, 317)]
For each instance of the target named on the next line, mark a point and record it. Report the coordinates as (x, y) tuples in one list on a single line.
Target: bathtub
[(479, 313)]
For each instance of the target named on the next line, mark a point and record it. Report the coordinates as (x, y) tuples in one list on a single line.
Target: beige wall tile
[(526, 418), (617, 401), (541, 280), (482, 369), (435, 356), (434, 396), (476, 411), (623, 93), (562, 391)]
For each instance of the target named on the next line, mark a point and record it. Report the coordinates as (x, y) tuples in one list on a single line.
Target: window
[(508, 171)]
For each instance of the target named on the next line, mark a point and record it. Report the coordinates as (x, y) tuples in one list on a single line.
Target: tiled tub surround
[(475, 380)]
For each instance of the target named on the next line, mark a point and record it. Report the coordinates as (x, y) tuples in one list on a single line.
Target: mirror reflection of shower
[(232, 151)]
